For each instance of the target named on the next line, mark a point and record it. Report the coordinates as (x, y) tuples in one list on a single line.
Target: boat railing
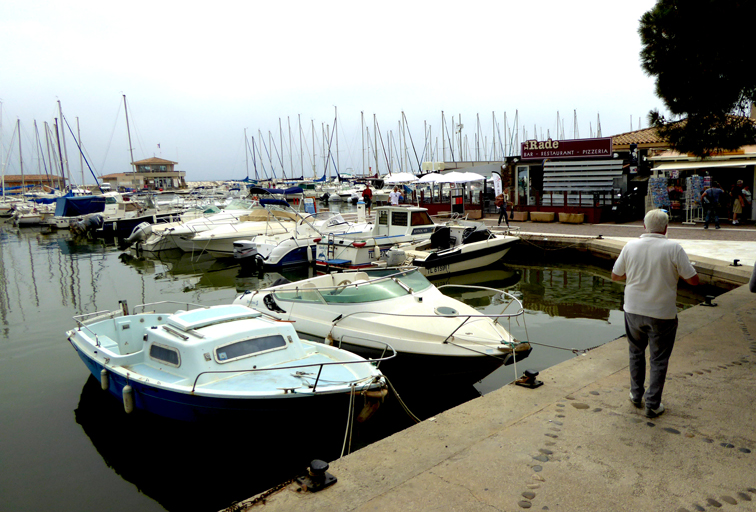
[(83, 321), (373, 361), (453, 313)]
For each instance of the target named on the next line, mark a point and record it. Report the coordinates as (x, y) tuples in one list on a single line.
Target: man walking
[(710, 199), (651, 267)]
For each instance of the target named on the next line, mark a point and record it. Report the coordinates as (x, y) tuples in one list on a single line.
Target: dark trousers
[(659, 336), (711, 211), (503, 214)]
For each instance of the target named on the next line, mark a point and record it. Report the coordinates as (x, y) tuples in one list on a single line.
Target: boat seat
[(360, 276), (108, 343)]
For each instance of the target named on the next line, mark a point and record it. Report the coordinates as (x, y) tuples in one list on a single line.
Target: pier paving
[(577, 443)]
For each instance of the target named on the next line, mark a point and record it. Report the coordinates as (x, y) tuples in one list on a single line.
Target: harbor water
[(68, 445)]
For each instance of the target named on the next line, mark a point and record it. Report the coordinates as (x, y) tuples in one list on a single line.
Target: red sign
[(577, 148)]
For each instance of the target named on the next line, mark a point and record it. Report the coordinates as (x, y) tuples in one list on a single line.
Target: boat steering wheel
[(341, 286)]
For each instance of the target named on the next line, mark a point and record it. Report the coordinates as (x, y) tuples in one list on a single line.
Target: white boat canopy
[(400, 177)]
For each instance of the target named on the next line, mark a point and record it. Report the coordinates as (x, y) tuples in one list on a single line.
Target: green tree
[(701, 53)]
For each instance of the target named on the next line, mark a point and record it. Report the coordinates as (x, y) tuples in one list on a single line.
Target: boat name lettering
[(437, 270), (418, 231)]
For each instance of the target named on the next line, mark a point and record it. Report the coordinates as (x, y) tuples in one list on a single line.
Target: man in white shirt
[(651, 267), (394, 197)]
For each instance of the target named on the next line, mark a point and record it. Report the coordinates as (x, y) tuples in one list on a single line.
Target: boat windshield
[(239, 204), (366, 291)]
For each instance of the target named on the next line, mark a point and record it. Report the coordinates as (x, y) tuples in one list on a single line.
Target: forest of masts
[(312, 150), (387, 151)]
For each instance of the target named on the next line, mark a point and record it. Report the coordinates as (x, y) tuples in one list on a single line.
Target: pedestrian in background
[(710, 199), (737, 201), (501, 202), (651, 267)]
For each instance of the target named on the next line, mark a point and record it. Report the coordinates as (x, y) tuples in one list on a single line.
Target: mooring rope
[(350, 411), (401, 402)]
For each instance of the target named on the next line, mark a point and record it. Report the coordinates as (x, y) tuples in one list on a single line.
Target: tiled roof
[(31, 178), (644, 136), (154, 161), (118, 175)]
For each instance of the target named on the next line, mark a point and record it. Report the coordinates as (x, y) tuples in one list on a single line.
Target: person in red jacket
[(367, 196)]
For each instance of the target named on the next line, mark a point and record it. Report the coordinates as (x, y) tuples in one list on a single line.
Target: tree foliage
[(700, 52)]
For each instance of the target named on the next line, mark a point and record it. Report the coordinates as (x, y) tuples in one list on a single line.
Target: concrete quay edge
[(577, 443)]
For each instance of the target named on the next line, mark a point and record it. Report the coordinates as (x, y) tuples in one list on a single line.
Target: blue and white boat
[(228, 361), (295, 247)]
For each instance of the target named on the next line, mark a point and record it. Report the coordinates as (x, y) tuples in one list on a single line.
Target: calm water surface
[(67, 445)]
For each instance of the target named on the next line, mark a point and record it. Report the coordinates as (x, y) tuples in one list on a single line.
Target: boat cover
[(79, 205)]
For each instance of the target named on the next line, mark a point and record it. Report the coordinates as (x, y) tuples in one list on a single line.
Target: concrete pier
[(577, 443)]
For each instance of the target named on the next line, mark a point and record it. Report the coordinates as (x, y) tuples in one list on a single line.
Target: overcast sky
[(197, 74)]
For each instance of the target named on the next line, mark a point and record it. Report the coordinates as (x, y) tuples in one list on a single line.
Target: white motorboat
[(165, 236), (458, 246), (393, 225), (298, 246), (219, 241), (226, 361), (430, 331)]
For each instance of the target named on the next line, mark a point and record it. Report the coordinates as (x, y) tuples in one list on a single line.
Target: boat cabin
[(401, 220)]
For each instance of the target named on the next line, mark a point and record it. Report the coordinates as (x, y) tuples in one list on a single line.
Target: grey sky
[(197, 74)]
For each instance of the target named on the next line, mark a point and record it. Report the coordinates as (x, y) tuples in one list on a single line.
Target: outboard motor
[(245, 253), (139, 233), (395, 257), (84, 226)]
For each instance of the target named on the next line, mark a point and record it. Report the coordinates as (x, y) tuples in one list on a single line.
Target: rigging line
[(306, 147), (398, 155), (42, 153), (262, 162), (272, 167), (330, 141), (419, 167), (82, 152), (136, 130), (110, 141), (385, 156), (254, 160), (280, 160), (451, 146), (501, 146)]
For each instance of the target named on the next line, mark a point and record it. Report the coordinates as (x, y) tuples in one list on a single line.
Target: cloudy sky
[(196, 75)]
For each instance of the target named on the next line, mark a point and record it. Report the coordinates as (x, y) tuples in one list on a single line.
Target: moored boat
[(431, 332), (219, 361)]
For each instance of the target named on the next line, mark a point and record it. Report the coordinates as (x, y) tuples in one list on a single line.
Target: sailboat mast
[(128, 132), (65, 150), (20, 157), (336, 128), (246, 152), (301, 148), (291, 150), (81, 154), (49, 156), (375, 145), (60, 154), (362, 129), (314, 161)]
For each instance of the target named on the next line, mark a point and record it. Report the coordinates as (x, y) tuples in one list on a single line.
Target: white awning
[(704, 164)]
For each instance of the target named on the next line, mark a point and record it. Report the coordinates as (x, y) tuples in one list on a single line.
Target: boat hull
[(194, 407)]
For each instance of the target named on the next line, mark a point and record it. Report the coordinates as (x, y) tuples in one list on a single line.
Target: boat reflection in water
[(185, 466), (202, 271)]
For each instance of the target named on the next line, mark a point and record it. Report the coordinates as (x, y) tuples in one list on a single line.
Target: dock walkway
[(577, 443)]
